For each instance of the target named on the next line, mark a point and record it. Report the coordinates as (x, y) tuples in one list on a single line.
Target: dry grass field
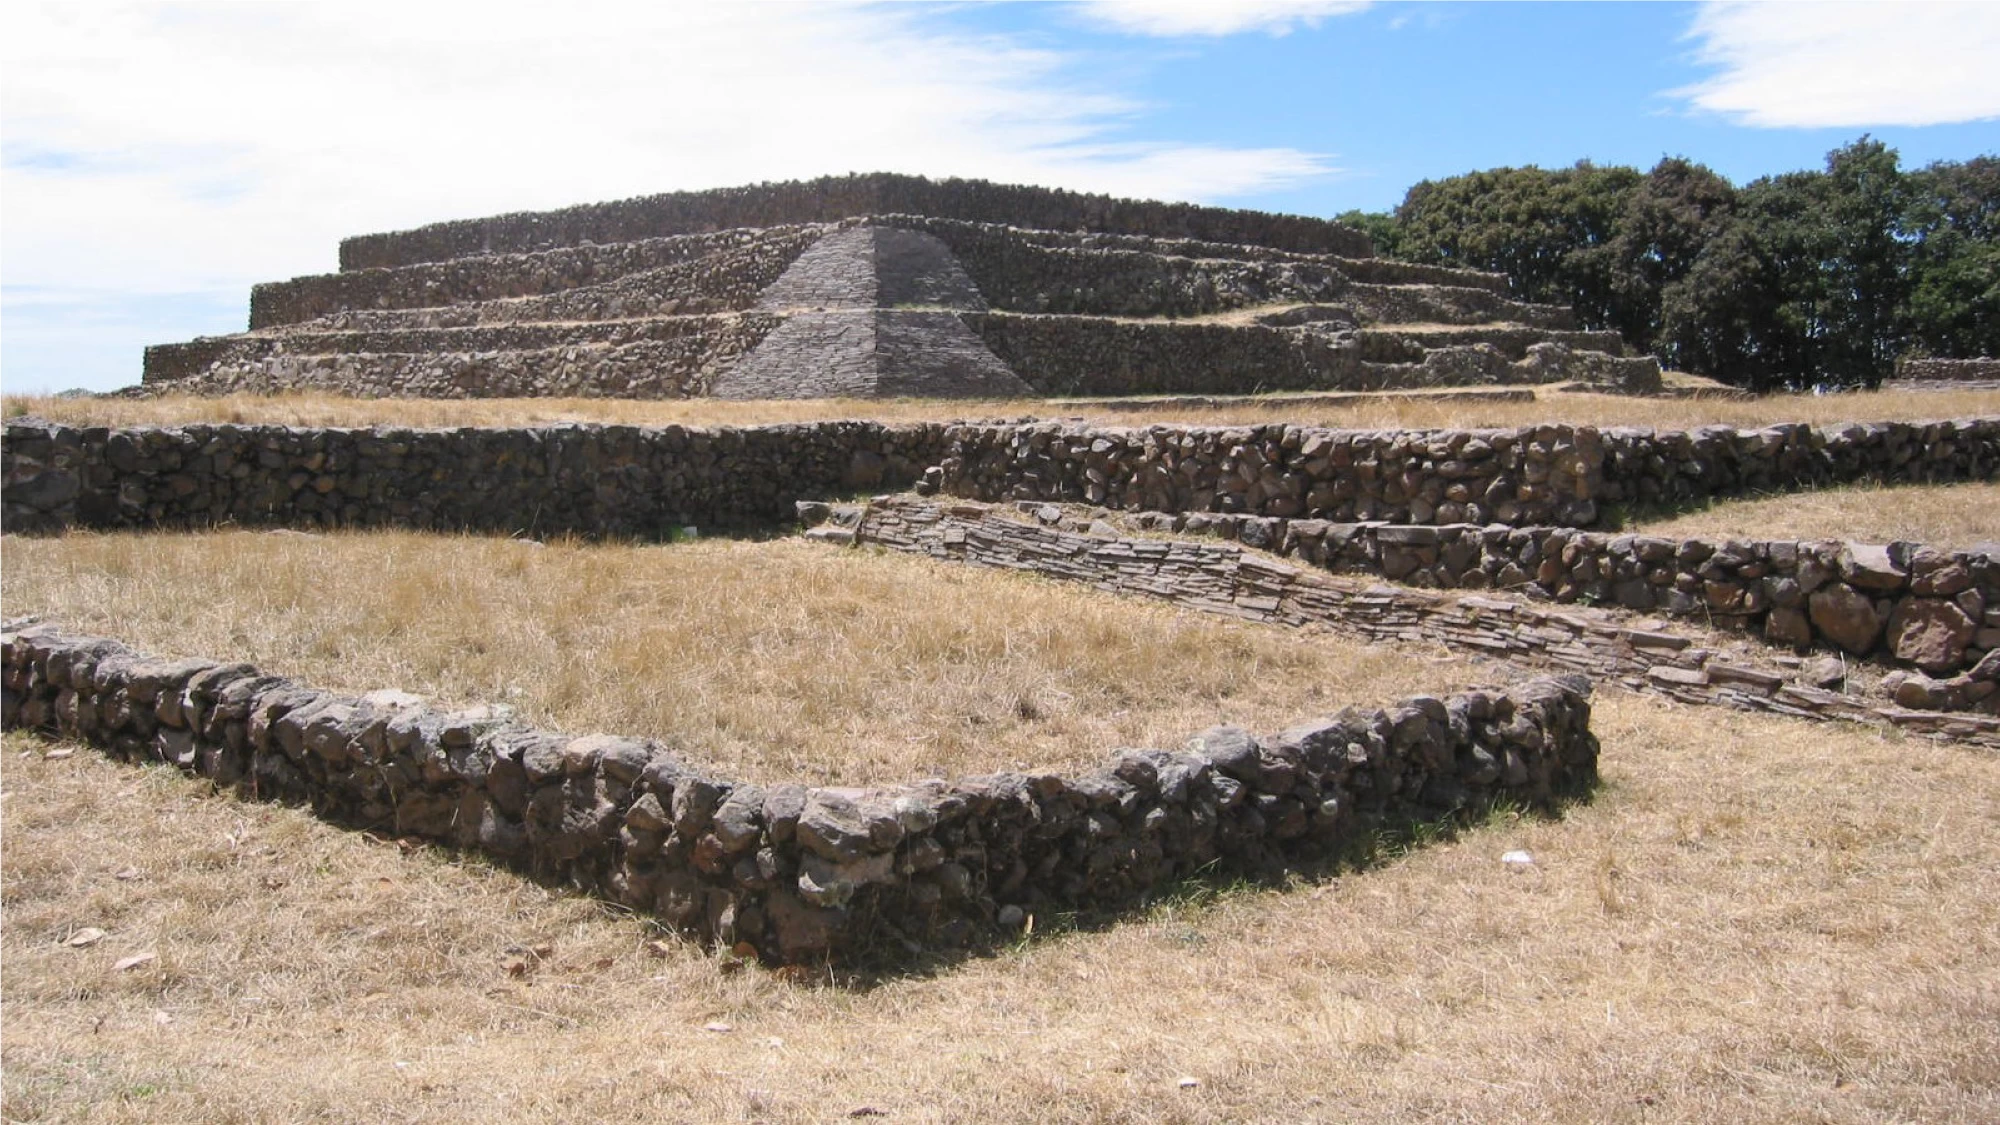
[(1754, 918), (1417, 412), (767, 661), (1957, 515)]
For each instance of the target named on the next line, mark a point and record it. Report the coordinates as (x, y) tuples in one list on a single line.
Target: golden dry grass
[(774, 660), (1757, 919), (1602, 410), (1956, 515)]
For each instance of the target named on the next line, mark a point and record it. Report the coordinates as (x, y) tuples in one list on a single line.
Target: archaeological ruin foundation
[(1501, 542)]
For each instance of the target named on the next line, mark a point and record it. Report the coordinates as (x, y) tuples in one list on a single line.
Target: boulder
[(1788, 627), (1870, 567), (845, 825), (1845, 616), (1930, 633)]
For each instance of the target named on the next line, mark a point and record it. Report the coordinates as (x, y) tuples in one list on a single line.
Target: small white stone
[(1518, 860)]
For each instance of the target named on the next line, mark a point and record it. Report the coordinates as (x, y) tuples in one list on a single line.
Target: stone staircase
[(932, 304)]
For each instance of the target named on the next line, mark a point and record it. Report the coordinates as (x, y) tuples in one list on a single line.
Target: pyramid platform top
[(833, 198)]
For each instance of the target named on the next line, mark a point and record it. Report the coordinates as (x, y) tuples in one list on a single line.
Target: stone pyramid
[(880, 286), (871, 312)]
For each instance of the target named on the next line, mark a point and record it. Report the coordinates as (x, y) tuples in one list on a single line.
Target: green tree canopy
[(1810, 277)]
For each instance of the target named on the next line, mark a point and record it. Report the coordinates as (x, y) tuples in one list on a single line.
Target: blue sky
[(157, 159)]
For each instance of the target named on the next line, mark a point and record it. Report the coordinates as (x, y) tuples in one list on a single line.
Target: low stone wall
[(1390, 344), (627, 480), (1535, 475), (1945, 375), (1223, 578), (1936, 610), (589, 480), (808, 873), (833, 198)]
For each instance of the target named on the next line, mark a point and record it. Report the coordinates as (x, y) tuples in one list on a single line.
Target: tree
[(1792, 280), (1951, 227), (1863, 262), (1379, 226), (1668, 219), (1802, 284), (1725, 318), (1545, 230)]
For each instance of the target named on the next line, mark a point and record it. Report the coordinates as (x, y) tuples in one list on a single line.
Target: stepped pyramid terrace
[(886, 286)]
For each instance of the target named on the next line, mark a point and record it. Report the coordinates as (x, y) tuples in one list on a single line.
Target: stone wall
[(590, 480), (839, 197), (1945, 375), (1091, 275), (1021, 275), (1923, 607), (626, 480), (1226, 579), (1536, 475), (659, 357), (1080, 355), (989, 243), (803, 874), (702, 272), (1014, 269)]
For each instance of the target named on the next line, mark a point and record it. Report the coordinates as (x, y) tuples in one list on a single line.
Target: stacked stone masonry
[(834, 198), (588, 480), (954, 298), (1937, 611), (1558, 475), (805, 874), (1607, 646), (628, 480)]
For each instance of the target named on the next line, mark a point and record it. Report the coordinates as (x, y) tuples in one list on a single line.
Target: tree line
[(1790, 281)]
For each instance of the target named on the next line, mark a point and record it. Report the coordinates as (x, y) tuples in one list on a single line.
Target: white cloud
[(1848, 64), (187, 148), (1178, 18)]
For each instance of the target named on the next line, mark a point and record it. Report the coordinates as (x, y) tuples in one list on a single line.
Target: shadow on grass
[(1636, 517), (1215, 885)]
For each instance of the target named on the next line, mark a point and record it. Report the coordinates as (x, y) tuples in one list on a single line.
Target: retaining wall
[(728, 268), (1937, 610), (1077, 355), (839, 197), (806, 873), (589, 480), (665, 358), (1533, 475), (1226, 579), (992, 241), (627, 480)]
